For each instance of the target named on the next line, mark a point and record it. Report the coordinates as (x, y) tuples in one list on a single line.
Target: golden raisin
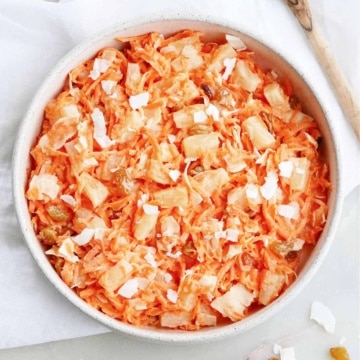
[(48, 236), (281, 248), (123, 179), (339, 353), (57, 214)]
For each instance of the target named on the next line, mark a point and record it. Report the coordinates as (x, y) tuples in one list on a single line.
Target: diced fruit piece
[(225, 51), (184, 118), (274, 94), (270, 287), (174, 320), (43, 185), (208, 181), (144, 226), (300, 174), (243, 75), (171, 197), (158, 172), (234, 302), (116, 275), (196, 145), (95, 190), (259, 134)]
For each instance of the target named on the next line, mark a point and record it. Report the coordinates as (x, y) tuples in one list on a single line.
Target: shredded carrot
[(175, 183)]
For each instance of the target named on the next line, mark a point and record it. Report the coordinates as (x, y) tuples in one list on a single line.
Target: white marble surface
[(336, 285)]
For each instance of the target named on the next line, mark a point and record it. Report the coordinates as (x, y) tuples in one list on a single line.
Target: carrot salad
[(175, 183)]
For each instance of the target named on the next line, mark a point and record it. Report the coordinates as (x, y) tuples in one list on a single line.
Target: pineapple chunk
[(196, 145), (171, 197), (134, 120), (234, 302), (174, 320), (184, 118), (245, 77), (258, 133), (115, 276), (158, 172), (144, 226), (208, 181), (225, 51), (275, 96), (95, 190), (300, 174), (271, 285)]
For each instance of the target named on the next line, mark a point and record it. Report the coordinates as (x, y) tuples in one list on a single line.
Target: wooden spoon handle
[(340, 85)]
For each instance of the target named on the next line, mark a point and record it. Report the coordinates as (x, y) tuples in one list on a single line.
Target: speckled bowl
[(214, 30)]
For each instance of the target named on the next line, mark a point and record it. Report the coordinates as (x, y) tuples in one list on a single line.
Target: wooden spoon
[(340, 85)]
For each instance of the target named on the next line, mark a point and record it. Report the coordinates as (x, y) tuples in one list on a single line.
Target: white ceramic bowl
[(264, 55)]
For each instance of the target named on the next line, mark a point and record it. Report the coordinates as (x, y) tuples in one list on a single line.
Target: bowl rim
[(155, 334)]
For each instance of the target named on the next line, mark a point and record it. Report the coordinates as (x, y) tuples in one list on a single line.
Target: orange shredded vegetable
[(175, 183)]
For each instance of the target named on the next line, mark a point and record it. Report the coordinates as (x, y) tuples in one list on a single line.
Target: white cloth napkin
[(35, 34)]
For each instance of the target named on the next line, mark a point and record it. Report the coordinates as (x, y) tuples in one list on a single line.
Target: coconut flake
[(139, 100), (199, 116), (150, 209), (143, 199), (171, 138), (289, 211), (323, 316), (167, 277), (108, 86), (268, 190), (99, 233), (287, 353), (84, 237), (286, 168), (235, 42), (172, 295), (100, 66), (232, 235), (251, 191), (221, 234), (129, 288), (100, 129), (229, 67), (174, 174), (298, 244), (150, 259), (276, 349), (213, 111), (66, 250), (68, 199)]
